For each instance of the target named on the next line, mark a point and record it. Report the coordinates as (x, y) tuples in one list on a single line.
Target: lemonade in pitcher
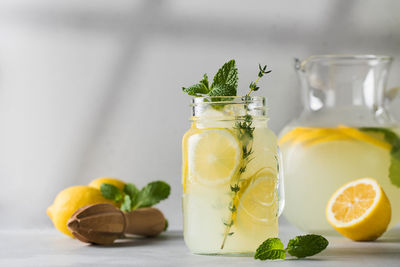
[(229, 174), (320, 160)]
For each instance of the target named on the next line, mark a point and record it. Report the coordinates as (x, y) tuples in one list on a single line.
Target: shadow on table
[(132, 241), (391, 236), (345, 253)]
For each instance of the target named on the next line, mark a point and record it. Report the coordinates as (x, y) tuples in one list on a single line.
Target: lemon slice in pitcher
[(214, 156)]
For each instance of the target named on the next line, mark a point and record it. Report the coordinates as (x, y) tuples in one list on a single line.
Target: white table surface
[(47, 247)]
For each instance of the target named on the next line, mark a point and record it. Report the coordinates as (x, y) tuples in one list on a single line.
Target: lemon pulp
[(360, 210)]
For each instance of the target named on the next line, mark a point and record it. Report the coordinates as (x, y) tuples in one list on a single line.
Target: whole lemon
[(96, 183), (69, 200)]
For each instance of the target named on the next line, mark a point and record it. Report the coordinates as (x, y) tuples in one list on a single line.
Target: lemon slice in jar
[(214, 156), (258, 202)]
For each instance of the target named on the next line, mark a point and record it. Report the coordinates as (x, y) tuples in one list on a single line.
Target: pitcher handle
[(392, 93)]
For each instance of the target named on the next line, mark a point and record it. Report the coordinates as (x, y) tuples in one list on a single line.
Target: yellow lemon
[(69, 200), (214, 156), (359, 210), (96, 183)]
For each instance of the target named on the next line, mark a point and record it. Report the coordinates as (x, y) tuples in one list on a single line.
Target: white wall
[(92, 88)]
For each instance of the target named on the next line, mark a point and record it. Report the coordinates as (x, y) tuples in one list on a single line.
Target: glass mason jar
[(344, 132), (229, 176)]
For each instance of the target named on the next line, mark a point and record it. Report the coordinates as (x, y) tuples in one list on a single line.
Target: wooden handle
[(146, 222)]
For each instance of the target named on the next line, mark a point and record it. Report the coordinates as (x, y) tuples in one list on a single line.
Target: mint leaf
[(195, 90), (198, 89), (227, 75), (204, 81), (126, 204), (112, 192), (394, 169), (132, 191), (152, 194), (222, 90), (394, 140), (306, 245), (270, 249)]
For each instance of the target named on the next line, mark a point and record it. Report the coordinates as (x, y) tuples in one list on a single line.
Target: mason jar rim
[(198, 100)]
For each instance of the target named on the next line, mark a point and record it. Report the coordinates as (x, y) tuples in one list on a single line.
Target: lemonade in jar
[(229, 173)]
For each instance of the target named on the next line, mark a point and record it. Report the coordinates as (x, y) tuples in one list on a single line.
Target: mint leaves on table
[(306, 245), (224, 83), (300, 247), (132, 198), (271, 249), (394, 140)]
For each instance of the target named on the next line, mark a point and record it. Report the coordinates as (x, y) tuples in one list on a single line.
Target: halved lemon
[(359, 210), (258, 202), (214, 156)]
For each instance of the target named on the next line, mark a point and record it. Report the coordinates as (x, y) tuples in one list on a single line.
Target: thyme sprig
[(253, 85), (244, 130)]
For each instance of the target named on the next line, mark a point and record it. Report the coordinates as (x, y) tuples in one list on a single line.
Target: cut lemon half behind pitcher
[(214, 156), (359, 210)]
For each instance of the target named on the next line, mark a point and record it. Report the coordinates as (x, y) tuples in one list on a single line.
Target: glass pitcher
[(344, 132), (231, 185)]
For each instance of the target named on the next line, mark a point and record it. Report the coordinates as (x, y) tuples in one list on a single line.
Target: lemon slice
[(214, 155), (258, 203), (314, 136), (293, 135), (359, 210), (357, 134)]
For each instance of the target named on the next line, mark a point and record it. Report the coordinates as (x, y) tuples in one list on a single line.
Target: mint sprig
[(270, 249), (224, 83), (394, 140), (151, 194), (300, 247), (306, 245), (111, 192), (132, 198)]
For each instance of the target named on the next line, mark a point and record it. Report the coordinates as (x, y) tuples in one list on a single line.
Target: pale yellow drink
[(217, 218), (317, 161)]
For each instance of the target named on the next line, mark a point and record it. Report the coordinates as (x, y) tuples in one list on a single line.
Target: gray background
[(92, 88)]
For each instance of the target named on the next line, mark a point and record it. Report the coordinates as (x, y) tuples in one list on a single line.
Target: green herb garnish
[(300, 247), (253, 85), (132, 198), (224, 82), (112, 192), (394, 140)]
